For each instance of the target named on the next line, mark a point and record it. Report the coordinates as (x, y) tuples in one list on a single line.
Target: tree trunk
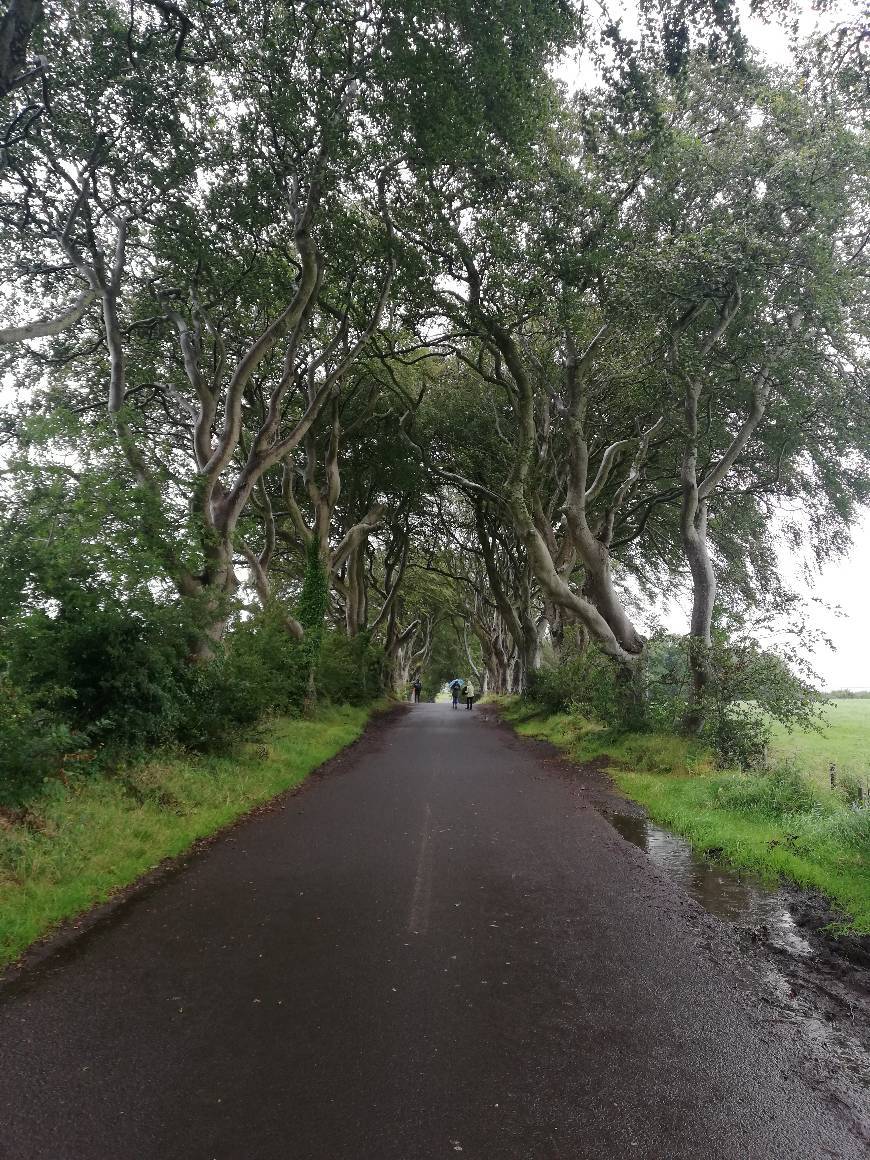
[(694, 539), (697, 492), (355, 600), (556, 589), (599, 589)]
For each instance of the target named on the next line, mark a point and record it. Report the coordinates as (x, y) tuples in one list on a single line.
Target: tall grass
[(775, 824)]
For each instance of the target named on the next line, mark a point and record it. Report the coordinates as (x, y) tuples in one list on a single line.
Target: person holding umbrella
[(454, 687)]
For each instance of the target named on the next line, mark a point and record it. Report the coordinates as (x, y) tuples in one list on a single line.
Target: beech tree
[(527, 303), (701, 231), (767, 282), (232, 225), (358, 302)]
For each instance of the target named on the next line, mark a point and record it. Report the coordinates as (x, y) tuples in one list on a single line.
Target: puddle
[(738, 898), (826, 1014)]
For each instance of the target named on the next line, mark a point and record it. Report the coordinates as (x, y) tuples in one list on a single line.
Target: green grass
[(821, 844), (781, 823), (84, 842), (584, 740), (844, 740)]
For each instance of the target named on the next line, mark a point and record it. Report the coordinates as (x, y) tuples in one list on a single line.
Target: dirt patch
[(815, 914)]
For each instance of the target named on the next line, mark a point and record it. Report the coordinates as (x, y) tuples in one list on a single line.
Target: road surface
[(437, 949)]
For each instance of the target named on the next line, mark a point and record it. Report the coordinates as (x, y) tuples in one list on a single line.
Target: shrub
[(350, 670), (259, 670), (739, 734), (123, 679), (83, 669), (583, 681), (34, 743), (118, 671), (749, 689)]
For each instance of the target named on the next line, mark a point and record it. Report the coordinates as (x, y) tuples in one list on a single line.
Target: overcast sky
[(846, 584)]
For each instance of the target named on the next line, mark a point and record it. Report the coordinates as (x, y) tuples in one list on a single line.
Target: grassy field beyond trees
[(844, 739)]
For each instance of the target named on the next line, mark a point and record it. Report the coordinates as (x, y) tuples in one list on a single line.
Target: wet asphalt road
[(437, 949)]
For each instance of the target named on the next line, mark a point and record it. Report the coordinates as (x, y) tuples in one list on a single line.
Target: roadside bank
[(81, 843), (775, 824)]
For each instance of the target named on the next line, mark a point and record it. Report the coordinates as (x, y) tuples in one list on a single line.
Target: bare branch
[(48, 327), (608, 461)]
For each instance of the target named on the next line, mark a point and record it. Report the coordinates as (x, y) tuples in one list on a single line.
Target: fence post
[(832, 769)]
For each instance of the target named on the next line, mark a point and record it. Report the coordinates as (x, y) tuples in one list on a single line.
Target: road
[(439, 948)]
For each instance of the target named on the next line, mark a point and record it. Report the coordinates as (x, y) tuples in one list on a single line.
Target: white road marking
[(421, 901)]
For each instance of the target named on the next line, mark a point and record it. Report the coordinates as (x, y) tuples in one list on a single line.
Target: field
[(845, 740)]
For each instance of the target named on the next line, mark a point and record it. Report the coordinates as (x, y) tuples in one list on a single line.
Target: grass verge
[(81, 843), (776, 823)]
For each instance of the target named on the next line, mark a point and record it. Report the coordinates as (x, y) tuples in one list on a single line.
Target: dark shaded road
[(437, 949)]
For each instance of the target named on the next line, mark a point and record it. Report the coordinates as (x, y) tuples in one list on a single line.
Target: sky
[(844, 585)]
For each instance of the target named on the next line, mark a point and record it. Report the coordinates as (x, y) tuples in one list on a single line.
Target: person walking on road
[(455, 686), (417, 686), (469, 695)]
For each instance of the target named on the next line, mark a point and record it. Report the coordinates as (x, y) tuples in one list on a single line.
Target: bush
[(583, 681), (118, 672), (259, 670), (350, 671), (34, 743), (750, 689), (738, 734), (123, 682), (82, 669)]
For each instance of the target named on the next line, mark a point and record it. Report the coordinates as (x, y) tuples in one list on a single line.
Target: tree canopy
[(362, 300)]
